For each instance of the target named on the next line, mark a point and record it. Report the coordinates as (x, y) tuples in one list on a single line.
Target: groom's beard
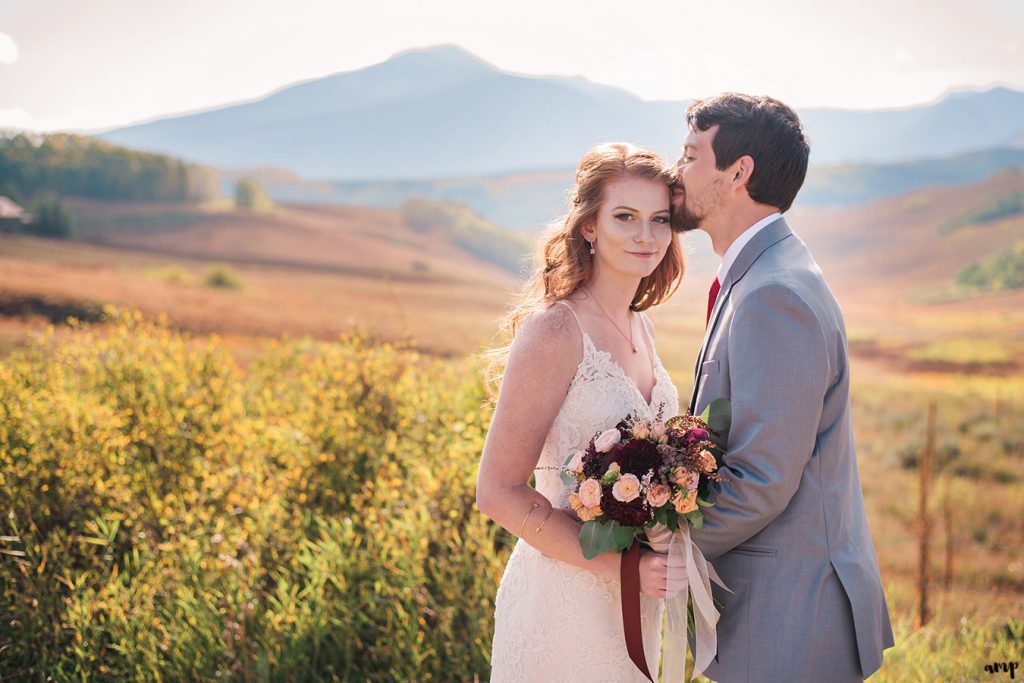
[(682, 220)]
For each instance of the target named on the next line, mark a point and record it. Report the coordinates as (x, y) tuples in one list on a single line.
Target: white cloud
[(8, 49)]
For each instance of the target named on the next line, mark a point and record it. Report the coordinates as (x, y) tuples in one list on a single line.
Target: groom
[(787, 533)]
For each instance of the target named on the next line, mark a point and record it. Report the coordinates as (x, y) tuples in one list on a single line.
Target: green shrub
[(223, 277)]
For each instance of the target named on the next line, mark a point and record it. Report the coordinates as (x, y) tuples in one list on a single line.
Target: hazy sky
[(93, 63)]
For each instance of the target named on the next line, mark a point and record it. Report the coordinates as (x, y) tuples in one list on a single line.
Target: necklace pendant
[(634, 347)]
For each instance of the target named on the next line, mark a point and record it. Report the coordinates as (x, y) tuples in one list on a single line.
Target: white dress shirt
[(737, 246)]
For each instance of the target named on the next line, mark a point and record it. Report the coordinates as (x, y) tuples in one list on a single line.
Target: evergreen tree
[(51, 219), (250, 195)]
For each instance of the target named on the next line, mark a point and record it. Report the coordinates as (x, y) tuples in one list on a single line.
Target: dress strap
[(646, 323), (573, 311)]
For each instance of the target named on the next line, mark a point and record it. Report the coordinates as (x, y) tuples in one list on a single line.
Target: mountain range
[(443, 113)]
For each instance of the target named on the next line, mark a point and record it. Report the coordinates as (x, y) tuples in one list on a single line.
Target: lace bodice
[(600, 394)]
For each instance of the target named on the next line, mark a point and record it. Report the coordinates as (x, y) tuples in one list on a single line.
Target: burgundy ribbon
[(629, 570)]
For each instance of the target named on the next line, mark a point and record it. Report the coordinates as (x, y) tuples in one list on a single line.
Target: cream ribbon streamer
[(695, 580)]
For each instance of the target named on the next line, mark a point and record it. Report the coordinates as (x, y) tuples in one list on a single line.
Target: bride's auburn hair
[(562, 261)]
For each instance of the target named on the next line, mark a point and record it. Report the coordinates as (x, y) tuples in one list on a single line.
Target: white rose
[(606, 440), (576, 464)]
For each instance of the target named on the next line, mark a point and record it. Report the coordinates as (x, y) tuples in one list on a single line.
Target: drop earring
[(591, 247)]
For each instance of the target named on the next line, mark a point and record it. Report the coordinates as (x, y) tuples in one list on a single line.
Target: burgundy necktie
[(712, 295)]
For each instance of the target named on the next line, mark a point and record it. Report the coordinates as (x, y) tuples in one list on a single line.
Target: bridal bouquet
[(642, 473), (649, 479)]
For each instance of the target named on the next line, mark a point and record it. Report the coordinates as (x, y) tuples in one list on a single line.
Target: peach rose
[(658, 495), (641, 430), (658, 430), (627, 488), (686, 478), (707, 461), (606, 440), (575, 503), (576, 464), (685, 501), (588, 513), (590, 492)]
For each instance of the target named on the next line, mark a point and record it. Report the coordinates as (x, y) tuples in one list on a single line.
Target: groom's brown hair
[(763, 128)]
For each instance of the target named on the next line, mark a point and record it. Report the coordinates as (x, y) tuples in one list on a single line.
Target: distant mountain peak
[(446, 54), (993, 90)]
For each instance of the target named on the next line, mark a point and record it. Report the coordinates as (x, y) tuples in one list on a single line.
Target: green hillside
[(72, 165), (468, 231), (1002, 270), (993, 210)]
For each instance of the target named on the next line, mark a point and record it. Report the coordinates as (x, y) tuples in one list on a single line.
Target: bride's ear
[(589, 233)]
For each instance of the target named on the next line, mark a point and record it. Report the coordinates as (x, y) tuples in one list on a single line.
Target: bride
[(582, 357)]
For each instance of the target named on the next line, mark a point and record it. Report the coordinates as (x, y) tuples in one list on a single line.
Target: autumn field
[(260, 464)]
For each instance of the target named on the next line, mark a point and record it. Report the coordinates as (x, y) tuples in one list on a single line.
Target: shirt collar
[(737, 246)]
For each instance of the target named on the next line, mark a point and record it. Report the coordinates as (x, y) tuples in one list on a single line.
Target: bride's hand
[(659, 536), (654, 571)]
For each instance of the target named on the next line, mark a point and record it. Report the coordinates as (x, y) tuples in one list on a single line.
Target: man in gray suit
[(787, 533)]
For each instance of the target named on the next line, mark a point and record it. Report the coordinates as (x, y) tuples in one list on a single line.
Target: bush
[(168, 516), (223, 277), (51, 219), (997, 209), (1002, 270), (250, 195)]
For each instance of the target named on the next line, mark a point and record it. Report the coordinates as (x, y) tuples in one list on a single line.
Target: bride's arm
[(541, 364)]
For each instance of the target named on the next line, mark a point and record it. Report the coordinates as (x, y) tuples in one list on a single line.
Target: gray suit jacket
[(788, 533)]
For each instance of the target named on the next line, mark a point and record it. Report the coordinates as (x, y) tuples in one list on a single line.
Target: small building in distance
[(12, 217)]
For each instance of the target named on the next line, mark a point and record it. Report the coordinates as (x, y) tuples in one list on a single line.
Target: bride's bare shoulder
[(550, 335)]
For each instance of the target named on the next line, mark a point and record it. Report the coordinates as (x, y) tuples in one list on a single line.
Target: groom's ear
[(741, 170)]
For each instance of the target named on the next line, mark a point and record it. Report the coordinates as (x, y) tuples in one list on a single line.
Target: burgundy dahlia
[(636, 456), (634, 513)]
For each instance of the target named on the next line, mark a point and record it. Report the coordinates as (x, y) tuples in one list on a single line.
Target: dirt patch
[(55, 310), (896, 358)]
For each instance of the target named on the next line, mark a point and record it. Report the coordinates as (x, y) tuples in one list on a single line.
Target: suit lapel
[(774, 232)]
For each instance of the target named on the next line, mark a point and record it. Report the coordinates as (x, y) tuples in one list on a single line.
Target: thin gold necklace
[(617, 329)]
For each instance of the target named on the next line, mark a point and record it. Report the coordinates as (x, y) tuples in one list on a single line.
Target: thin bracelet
[(550, 510), (535, 506)]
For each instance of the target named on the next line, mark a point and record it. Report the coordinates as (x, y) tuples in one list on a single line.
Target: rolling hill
[(323, 270), (526, 201)]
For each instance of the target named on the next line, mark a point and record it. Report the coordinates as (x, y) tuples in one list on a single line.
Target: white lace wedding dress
[(555, 622)]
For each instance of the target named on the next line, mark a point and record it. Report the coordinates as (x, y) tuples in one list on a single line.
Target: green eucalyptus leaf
[(719, 416), (567, 477), (672, 518), (696, 519), (596, 538), (623, 535)]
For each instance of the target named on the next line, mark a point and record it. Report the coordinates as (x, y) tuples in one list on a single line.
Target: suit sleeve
[(778, 376)]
